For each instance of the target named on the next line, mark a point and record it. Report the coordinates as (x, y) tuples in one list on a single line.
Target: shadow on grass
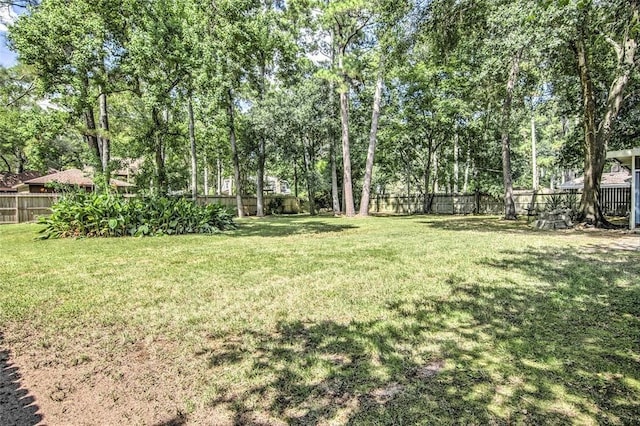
[(283, 226), (16, 407), (562, 348), (478, 224)]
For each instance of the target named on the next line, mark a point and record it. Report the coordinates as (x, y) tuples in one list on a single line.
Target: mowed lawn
[(299, 320)]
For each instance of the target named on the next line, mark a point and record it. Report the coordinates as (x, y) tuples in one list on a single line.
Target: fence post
[(17, 210)]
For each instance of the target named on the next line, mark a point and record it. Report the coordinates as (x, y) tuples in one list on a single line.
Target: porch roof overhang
[(624, 156)]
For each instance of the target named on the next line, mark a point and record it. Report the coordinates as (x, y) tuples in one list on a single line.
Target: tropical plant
[(82, 214)]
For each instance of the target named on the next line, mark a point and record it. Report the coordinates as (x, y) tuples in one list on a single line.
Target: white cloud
[(7, 17)]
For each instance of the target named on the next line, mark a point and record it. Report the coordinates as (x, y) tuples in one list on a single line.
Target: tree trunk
[(205, 176), (428, 195), (295, 177), (335, 192), (260, 178), (91, 134), (218, 176), (6, 163), (597, 136), (261, 146), (234, 154), (456, 161), (349, 208), (162, 184), (467, 166), (373, 135), (104, 141), (509, 205), (436, 187), (309, 177), (534, 156), (22, 160), (192, 145)]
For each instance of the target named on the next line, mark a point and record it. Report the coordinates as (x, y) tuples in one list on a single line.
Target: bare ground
[(80, 384)]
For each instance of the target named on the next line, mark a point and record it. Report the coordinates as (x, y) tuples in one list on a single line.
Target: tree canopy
[(346, 100)]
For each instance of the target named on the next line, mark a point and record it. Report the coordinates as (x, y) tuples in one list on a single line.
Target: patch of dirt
[(17, 405), (139, 383), (430, 370)]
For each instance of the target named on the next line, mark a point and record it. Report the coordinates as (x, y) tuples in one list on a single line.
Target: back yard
[(303, 320)]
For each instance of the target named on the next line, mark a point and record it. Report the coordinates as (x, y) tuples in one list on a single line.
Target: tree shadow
[(179, 419), (16, 406), (560, 348), (479, 224), (283, 226)]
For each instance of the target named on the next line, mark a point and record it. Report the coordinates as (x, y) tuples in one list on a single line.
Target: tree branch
[(22, 95)]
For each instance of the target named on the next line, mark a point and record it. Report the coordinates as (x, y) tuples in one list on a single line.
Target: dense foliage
[(82, 214), (343, 99)]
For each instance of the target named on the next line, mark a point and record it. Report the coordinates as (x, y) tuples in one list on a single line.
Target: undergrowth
[(82, 214)]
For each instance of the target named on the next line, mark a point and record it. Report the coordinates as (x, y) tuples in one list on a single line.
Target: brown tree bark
[(6, 162), (335, 193), (309, 175), (349, 208), (162, 183), (509, 205), (373, 136), (598, 135), (261, 148), (104, 141), (192, 151), (90, 134), (234, 153)]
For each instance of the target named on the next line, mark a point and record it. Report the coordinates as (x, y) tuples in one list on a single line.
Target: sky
[(7, 16)]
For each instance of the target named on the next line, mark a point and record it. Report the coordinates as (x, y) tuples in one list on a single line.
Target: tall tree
[(619, 30), (77, 51)]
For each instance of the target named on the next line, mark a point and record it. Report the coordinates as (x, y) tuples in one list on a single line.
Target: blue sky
[(7, 57), (7, 16)]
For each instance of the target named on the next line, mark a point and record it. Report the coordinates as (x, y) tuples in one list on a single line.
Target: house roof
[(624, 156), (9, 180), (72, 177), (621, 179)]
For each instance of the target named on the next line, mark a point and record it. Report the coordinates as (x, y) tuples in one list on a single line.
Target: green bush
[(563, 201), (82, 214)]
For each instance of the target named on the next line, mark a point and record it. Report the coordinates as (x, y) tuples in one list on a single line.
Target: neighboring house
[(130, 167), (71, 177), (8, 181), (619, 177)]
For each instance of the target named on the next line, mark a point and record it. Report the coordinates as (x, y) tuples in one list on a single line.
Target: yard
[(392, 320)]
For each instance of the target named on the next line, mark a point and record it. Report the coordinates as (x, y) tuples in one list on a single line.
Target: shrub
[(81, 214), (567, 202)]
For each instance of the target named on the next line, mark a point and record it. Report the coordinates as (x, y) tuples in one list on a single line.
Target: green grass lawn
[(397, 320)]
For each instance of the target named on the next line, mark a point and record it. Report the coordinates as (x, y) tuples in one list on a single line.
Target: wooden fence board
[(615, 202)]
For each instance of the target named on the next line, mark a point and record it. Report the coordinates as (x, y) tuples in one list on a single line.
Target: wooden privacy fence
[(25, 207), (18, 208), (286, 204), (615, 202)]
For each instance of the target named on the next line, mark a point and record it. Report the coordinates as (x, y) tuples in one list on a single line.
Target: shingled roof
[(73, 177), (621, 179), (9, 180)]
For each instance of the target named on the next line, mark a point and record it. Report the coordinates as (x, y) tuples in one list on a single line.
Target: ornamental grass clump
[(81, 214)]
